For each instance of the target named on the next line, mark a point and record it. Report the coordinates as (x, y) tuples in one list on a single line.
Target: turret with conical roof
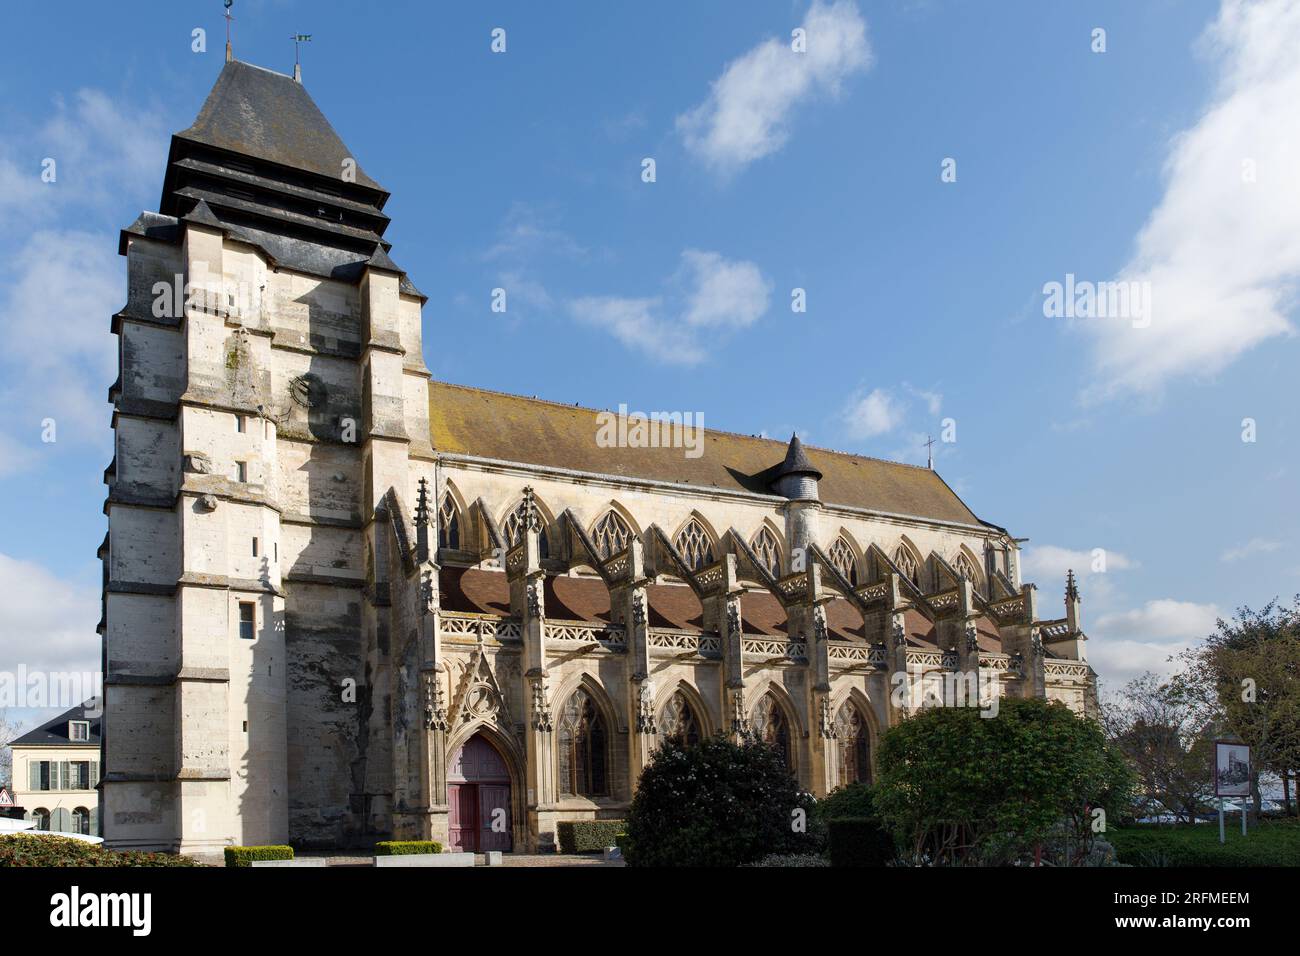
[(796, 478)]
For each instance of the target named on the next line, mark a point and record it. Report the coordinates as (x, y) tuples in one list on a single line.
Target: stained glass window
[(768, 550), (610, 534), (769, 725), (853, 744), (583, 746), (842, 557), (678, 721), (694, 544), (448, 524)]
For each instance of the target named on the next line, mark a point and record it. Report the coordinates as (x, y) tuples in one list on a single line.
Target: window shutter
[(34, 774), (65, 775), (62, 820), (94, 822), (94, 774)]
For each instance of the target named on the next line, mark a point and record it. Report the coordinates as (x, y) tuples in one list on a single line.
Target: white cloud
[(1222, 255), (708, 294), (1251, 547), (873, 414), (59, 357), (1050, 562), (101, 153), (933, 400), (48, 622), (1123, 645), (1047, 564), (528, 233), (748, 111), (722, 293), (1162, 619)]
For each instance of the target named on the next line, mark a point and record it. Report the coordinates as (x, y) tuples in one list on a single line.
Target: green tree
[(1246, 677), (716, 803), (1160, 730), (958, 787)]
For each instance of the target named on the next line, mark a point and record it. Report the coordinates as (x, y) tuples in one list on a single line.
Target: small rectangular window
[(276, 546), (239, 424), (254, 547), (241, 471), (247, 620), (78, 730)]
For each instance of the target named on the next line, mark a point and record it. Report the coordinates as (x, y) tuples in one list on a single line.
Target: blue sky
[(774, 170)]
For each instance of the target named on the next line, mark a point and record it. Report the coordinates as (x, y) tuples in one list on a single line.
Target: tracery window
[(678, 721), (965, 569), (768, 550), (769, 724), (694, 544), (514, 530), (841, 556), (583, 747), (905, 562), (610, 534), (448, 524), (853, 745)]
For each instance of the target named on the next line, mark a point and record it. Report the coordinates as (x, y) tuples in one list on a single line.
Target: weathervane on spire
[(229, 52), (298, 38)]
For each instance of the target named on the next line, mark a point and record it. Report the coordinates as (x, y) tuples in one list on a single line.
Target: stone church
[(344, 602)]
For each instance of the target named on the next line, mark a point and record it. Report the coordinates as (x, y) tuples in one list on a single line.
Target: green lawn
[(1273, 843)]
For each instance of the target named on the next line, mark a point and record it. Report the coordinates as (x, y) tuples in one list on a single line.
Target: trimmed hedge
[(788, 860), (406, 847), (24, 849), (589, 836), (859, 842), (244, 855), (1268, 844)]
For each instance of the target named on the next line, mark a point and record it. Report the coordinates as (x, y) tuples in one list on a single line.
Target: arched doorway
[(478, 791)]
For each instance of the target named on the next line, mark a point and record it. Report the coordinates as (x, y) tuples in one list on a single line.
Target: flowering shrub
[(34, 850)]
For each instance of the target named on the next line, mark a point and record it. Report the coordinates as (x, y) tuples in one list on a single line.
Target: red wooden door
[(478, 794), (494, 817), (463, 817)]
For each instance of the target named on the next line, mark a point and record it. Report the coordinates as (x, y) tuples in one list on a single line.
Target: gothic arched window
[(678, 721), (907, 563), (769, 724), (841, 556), (448, 524), (695, 545), (768, 550), (852, 745), (966, 568), (514, 529), (583, 747), (610, 534)]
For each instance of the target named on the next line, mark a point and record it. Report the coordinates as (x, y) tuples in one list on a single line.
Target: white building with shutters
[(56, 772)]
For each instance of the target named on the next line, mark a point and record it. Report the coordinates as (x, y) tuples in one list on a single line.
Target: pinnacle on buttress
[(422, 521), (422, 503), (1071, 588), (531, 520)]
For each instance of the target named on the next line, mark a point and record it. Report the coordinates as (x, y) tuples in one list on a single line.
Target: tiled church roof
[(487, 424), (265, 114)]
